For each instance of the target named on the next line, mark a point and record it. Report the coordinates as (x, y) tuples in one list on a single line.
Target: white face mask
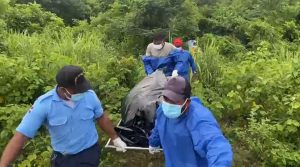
[(158, 47)]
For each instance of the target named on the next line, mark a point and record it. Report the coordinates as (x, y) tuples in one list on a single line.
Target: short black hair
[(159, 37)]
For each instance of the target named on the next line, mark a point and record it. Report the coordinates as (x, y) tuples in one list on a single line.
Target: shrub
[(30, 18)]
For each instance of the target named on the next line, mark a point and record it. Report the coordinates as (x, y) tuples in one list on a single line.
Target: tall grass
[(208, 62)]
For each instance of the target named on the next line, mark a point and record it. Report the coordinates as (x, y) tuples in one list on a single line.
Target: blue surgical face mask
[(73, 97), (77, 97), (172, 110)]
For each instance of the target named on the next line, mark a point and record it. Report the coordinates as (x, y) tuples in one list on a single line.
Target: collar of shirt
[(55, 95)]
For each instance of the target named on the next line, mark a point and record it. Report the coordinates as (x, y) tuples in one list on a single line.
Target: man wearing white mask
[(159, 47)]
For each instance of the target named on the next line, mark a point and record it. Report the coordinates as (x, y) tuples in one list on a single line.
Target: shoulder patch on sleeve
[(31, 108)]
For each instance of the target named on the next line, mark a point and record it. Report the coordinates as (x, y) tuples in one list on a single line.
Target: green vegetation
[(249, 65)]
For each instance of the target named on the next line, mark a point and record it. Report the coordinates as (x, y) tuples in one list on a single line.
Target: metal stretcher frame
[(109, 145)]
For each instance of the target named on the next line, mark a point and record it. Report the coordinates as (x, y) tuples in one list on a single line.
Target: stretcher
[(110, 145)]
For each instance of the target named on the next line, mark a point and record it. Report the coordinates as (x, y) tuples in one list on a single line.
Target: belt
[(57, 153)]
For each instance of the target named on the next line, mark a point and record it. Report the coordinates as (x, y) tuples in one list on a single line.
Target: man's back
[(164, 51), (184, 61)]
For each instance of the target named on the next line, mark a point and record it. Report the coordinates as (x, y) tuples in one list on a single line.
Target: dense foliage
[(248, 58)]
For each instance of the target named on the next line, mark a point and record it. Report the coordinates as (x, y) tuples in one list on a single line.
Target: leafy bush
[(30, 18), (120, 77), (227, 46), (37, 151), (291, 31), (272, 143), (208, 63), (42, 55), (19, 83), (248, 66), (3, 6), (3, 35)]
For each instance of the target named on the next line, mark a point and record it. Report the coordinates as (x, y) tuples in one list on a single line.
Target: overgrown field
[(248, 59)]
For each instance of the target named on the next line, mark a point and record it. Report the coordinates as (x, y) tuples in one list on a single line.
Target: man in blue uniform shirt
[(187, 131), (69, 112)]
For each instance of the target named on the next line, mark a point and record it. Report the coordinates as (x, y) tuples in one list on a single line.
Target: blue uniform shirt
[(71, 129), (192, 140)]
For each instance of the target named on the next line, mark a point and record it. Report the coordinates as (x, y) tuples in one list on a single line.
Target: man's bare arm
[(106, 125), (13, 149)]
